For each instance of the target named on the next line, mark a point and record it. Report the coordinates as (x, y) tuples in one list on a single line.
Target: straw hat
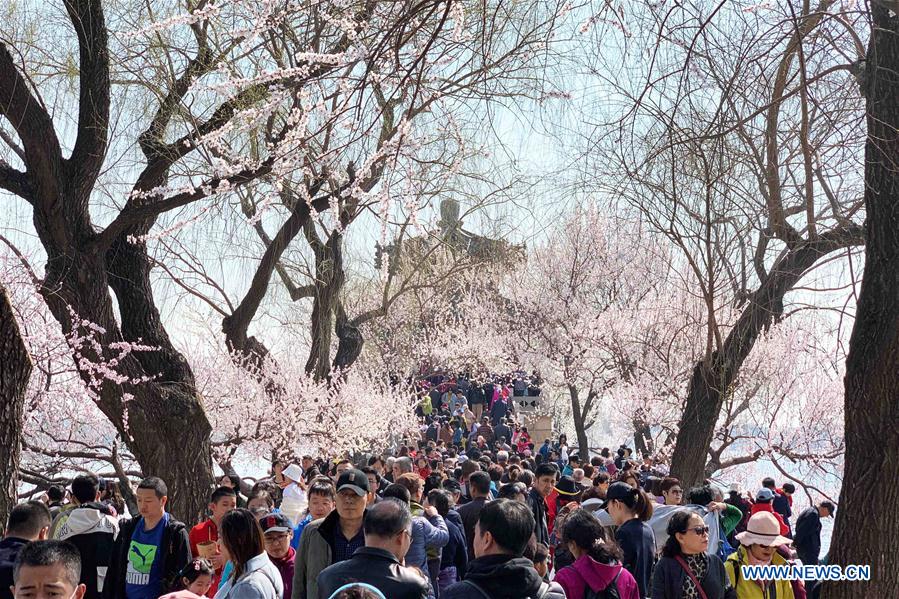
[(763, 529)]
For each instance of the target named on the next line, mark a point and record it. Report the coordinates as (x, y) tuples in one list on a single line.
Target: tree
[(15, 370), (219, 98), (864, 532), (745, 136)]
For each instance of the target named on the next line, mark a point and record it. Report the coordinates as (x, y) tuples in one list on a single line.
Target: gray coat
[(262, 580)]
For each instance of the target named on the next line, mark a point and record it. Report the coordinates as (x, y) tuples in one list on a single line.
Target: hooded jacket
[(378, 568), (586, 573), (501, 577), (9, 551), (93, 531)]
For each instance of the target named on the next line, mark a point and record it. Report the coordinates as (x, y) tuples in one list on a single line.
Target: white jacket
[(261, 580)]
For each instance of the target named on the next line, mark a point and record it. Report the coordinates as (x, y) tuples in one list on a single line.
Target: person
[(545, 449), (293, 493), (541, 559), (277, 532), (253, 576), (334, 538), (597, 564), (429, 531), (322, 498), (685, 569), (388, 535), (55, 500), (479, 487), (454, 557), (205, 535), (27, 522), (374, 484), (515, 491), (736, 499), (232, 481), (150, 550), (807, 538), (48, 569), (672, 491), (544, 481), (111, 495), (764, 503), (759, 544), (92, 528), (260, 501), (499, 570), (630, 508), (401, 466), (196, 577), (574, 461), (783, 504)]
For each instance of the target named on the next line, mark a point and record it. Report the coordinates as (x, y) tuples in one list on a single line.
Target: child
[(293, 500), (196, 577), (322, 500)]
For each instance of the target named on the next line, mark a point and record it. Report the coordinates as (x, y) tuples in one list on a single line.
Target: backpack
[(610, 592), (724, 546)]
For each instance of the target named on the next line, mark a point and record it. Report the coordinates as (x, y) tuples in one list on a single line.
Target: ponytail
[(640, 504)]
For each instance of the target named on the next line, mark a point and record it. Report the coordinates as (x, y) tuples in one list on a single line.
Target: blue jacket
[(426, 533), (456, 551)]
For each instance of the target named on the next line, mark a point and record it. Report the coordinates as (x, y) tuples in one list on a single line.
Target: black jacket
[(502, 577), (9, 551), (538, 507), (469, 514), (175, 546), (378, 568), (668, 580), (807, 536)]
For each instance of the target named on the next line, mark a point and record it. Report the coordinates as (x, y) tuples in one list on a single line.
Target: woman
[(597, 564), (758, 547), (686, 571), (629, 509), (629, 477), (523, 441), (254, 576)]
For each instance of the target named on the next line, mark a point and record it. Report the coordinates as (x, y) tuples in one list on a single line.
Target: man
[(453, 487), (672, 491), (48, 569), (486, 431), (783, 504), (309, 469), (342, 466), (807, 539), (29, 521), (503, 430), (388, 534), (479, 487), (401, 466), (150, 549), (91, 529), (222, 501), (374, 484), (334, 538), (277, 531), (544, 482), (574, 461), (545, 449), (55, 500), (502, 533)]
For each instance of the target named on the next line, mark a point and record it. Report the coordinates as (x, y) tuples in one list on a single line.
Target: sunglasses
[(700, 530)]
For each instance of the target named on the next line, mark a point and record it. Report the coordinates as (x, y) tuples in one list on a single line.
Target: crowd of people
[(480, 513)]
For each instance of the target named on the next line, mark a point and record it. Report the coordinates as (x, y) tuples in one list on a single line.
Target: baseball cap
[(275, 522), (764, 495), (620, 491), (355, 480)]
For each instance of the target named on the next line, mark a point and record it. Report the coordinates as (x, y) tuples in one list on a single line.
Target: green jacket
[(750, 589)]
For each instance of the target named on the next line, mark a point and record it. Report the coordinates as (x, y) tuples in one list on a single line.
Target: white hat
[(293, 472), (763, 529)]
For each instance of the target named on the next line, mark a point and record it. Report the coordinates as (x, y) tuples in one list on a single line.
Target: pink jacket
[(588, 572)]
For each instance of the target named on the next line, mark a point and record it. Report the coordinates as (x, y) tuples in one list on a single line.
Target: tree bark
[(579, 415), (713, 377), (15, 370), (866, 527)]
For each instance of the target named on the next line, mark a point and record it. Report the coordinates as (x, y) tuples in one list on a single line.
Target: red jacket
[(202, 532), (767, 507)]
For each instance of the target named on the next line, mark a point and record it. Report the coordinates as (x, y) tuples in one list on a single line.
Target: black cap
[(355, 480), (619, 491), (275, 522)]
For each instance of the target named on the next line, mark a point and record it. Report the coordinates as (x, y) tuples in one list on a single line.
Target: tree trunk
[(713, 377), (866, 527), (15, 370), (580, 428)]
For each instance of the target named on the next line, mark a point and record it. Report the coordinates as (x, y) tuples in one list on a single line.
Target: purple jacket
[(587, 572)]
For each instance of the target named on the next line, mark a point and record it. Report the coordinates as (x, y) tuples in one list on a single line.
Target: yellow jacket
[(751, 589)]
